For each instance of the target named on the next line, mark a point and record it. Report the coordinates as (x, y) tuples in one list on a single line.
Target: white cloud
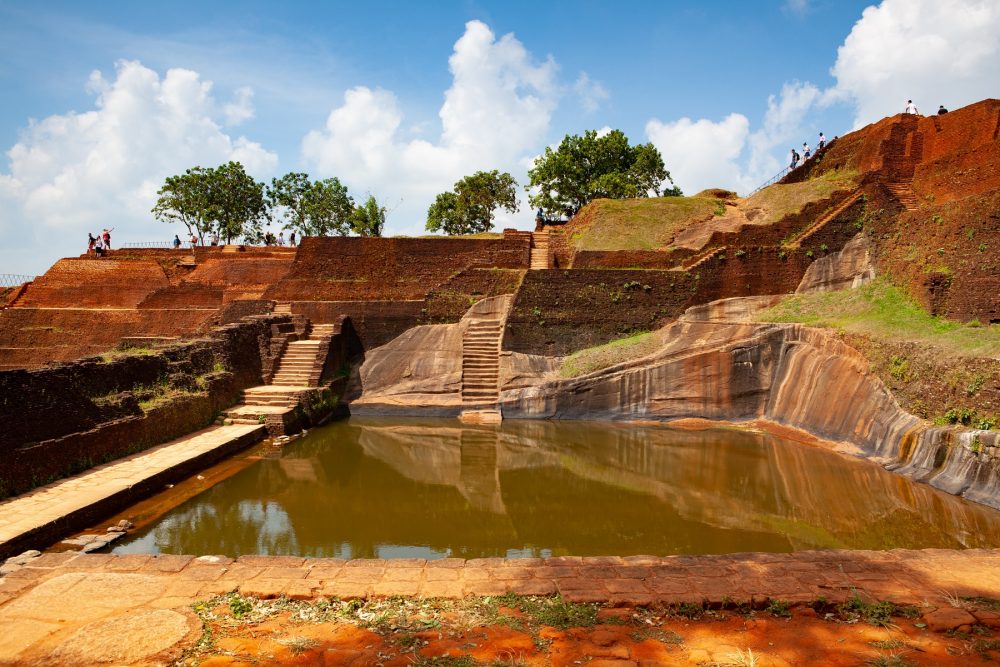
[(590, 93), (495, 113), (932, 51), (75, 172), (800, 7), (701, 154), (241, 108)]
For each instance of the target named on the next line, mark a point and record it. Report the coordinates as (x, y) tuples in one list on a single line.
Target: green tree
[(592, 167), (368, 219), (184, 199), (320, 208), (223, 199), (469, 208), (236, 203)]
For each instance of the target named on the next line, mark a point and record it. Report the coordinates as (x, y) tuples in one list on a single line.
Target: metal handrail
[(14, 279), (148, 244), (774, 179)]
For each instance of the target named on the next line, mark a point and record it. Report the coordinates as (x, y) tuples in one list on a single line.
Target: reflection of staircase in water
[(480, 477)]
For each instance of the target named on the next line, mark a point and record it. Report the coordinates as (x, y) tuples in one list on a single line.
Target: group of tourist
[(100, 244), (796, 157), (269, 240), (911, 108)]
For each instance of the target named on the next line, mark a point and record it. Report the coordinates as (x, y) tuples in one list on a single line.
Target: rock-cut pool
[(395, 488)]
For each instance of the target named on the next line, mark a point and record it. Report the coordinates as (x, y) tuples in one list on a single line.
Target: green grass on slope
[(640, 224), (885, 311), (777, 201), (607, 355)]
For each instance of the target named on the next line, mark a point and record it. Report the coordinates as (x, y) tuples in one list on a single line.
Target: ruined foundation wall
[(66, 418)]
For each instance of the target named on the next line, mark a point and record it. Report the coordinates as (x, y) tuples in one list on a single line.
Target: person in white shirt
[(805, 151), (822, 142), (911, 107)]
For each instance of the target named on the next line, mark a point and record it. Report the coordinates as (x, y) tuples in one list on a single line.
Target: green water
[(393, 488)]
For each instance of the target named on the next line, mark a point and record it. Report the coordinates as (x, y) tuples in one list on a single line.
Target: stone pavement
[(48, 605), (49, 512)]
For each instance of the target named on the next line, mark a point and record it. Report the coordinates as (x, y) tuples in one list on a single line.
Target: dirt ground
[(513, 630)]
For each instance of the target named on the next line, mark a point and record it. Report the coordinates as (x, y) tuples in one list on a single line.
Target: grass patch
[(604, 356), (885, 311), (114, 355), (779, 200), (638, 224)]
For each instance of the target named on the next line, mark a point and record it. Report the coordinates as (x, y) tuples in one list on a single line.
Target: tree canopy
[(469, 207), (368, 219), (312, 208), (592, 166), (222, 199)]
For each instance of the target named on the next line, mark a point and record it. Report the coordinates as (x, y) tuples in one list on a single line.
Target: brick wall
[(375, 322), (366, 269), (560, 311), (108, 283)]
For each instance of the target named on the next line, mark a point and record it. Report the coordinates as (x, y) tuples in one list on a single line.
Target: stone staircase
[(298, 372), (693, 263), (540, 250), (284, 308), (823, 220), (904, 194), (481, 363), (302, 363)]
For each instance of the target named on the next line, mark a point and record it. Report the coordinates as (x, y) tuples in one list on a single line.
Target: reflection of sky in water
[(434, 489)]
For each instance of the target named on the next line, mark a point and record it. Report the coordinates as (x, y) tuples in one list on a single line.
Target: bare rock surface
[(142, 637), (850, 267)]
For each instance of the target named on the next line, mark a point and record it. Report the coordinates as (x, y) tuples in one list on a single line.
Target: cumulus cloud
[(74, 172), (590, 93), (495, 113), (800, 7), (240, 109), (702, 153), (932, 51)]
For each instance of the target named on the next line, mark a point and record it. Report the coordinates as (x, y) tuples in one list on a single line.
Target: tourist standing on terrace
[(91, 240), (911, 108), (281, 238), (291, 239), (99, 246), (177, 241), (805, 151), (107, 238), (941, 110), (194, 241), (822, 142), (795, 159)]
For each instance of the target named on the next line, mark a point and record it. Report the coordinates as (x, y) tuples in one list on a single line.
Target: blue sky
[(103, 100)]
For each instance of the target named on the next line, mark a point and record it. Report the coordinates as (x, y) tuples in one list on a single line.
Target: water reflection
[(430, 488)]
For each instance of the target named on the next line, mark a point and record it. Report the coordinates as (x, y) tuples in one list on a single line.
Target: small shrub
[(779, 609), (809, 253), (899, 368), (937, 219), (983, 247), (824, 247), (740, 252)]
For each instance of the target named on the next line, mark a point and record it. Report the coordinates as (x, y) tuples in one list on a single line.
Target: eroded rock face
[(716, 363), (422, 366), (849, 267)]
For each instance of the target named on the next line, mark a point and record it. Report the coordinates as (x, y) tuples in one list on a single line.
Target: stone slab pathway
[(53, 600), (49, 511)]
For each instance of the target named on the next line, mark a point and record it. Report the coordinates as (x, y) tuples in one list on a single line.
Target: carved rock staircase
[(481, 363), (539, 250), (904, 194), (825, 219)]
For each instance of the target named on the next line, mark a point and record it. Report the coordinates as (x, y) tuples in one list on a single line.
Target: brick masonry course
[(901, 576)]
